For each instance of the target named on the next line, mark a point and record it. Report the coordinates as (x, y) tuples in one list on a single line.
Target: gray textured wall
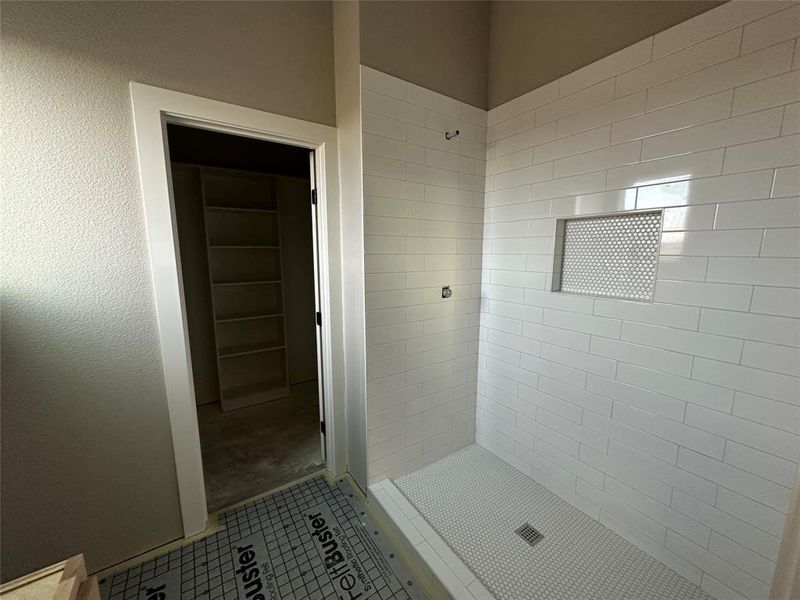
[(87, 460)]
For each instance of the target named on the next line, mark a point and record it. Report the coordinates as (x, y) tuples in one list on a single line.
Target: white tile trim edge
[(448, 568)]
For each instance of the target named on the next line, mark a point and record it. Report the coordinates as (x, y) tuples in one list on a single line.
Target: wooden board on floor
[(62, 581)]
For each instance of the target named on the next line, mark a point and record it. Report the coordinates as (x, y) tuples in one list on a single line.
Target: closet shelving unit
[(243, 240)]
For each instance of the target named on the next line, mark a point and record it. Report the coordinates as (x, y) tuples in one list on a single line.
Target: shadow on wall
[(63, 378), (246, 53), (87, 463)]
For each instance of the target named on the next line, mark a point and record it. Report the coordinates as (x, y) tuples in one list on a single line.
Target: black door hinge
[(313, 196), (322, 427), (319, 319)]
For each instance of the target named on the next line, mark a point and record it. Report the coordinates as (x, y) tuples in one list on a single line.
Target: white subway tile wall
[(423, 227), (675, 422)]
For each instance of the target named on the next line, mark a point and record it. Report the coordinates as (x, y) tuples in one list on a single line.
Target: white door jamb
[(153, 108)]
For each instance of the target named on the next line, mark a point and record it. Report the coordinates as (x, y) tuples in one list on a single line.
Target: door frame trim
[(153, 108)]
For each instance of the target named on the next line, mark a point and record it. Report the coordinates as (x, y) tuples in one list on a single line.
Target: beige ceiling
[(486, 53), (533, 42), (440, 45)]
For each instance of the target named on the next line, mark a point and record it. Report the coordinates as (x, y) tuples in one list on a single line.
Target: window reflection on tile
[(675, 193)]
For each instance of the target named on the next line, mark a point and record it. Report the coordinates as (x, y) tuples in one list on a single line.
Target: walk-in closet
[(244, 214)]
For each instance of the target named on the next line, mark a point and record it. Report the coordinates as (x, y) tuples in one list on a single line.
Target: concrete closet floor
[(250, 451)]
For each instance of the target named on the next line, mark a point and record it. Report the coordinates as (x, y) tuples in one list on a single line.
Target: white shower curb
[(449, 569)]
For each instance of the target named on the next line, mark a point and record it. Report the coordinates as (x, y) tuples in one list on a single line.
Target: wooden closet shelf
[(265, 282), (253, 388), (242, 247), (241, 209), (245, 271), (243, 349), (244, 317)]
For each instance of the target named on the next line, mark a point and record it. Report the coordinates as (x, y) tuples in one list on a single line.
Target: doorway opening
[(245, 218)]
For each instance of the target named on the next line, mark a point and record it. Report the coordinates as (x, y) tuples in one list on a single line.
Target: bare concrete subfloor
[(250, 451)]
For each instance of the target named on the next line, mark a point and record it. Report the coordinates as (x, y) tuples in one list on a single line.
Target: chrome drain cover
[(528, 533)]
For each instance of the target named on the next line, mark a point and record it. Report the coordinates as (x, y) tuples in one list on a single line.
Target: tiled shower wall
[(423, 223), (674, 422)]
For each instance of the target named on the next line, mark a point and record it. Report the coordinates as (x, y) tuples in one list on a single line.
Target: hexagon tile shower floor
[(477, 502)]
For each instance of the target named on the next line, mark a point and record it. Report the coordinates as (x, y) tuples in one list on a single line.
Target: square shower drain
[(529, 534)]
